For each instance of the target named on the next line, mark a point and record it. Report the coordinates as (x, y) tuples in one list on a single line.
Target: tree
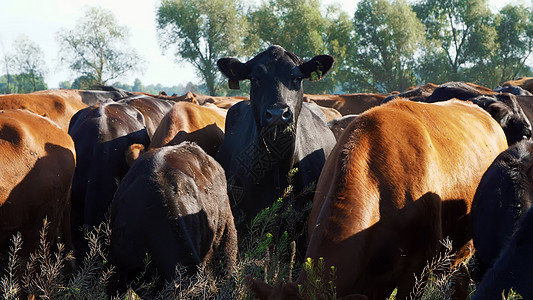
[(387, 35), (300, 27), (296, 25), (514, 26), (28, 61), (7, 62), (459, 34), (137, 85), (97, 47), (201, 32)]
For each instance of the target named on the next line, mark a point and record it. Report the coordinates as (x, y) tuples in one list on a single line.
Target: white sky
[(40, 20)]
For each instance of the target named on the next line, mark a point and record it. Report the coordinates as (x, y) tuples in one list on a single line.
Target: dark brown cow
[(172, 205), (420, 93), (347, 104), (190, 122), (37, 161), (57, 105), (153, 110), (525, 83), (400, 181), (102, 134)]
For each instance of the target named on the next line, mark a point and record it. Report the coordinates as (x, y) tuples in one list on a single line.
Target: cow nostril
[(286, 114), (268, 115)]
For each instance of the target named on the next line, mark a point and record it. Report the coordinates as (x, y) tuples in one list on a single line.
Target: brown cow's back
[(365, 204), (190, 122), (57, 105), (37, 161)]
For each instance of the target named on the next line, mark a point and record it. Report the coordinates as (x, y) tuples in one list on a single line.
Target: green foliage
[(458, 36), (387, 35), (201, 32), (97, 47), (317, 284), (300, 27), (21, 84)]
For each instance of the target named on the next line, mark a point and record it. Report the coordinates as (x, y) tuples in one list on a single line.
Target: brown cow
[(403, 179), (57, 105), (37, 161), (222, 101), (347, 104), (190, 122)]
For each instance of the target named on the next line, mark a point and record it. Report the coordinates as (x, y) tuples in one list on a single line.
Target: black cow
[(101, 134), (503, 107), (172, 205), (502, 197), (273, 133), (514, 267)]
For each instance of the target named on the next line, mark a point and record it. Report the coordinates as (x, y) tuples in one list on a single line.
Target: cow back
[(173, 206), (190, 122), (57, 105)]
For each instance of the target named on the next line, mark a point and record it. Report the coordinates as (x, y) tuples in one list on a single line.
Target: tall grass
[(45, 274)]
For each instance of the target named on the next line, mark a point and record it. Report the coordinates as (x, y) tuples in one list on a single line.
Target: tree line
[(384, 46)]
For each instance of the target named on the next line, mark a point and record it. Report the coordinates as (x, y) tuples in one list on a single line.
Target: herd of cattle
[(181, 177)]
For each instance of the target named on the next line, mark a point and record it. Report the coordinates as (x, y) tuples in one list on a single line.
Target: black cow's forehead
[(275, 55)]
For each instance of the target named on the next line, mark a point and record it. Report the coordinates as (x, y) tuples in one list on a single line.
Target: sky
[(40, 20)]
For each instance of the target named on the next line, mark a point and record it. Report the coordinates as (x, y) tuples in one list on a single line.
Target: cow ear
[(234, 70), (317, 67), (133, 152)]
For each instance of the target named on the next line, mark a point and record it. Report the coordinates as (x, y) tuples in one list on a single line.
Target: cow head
[(275, 76)]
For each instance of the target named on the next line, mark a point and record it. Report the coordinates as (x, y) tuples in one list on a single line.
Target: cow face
[(275, 76)]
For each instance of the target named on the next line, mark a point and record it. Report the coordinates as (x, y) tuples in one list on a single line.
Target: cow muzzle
[(278, 116)]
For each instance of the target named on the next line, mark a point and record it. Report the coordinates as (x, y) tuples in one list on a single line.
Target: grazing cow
[(190, 122), (101, 134), (420, 93), (459, 90), (512, 89), (37, 161), (337, 126), (503, 196), (173, 206), (153, 110), (347, 104), (273, 132), (57, 105), (525, 83), (401, 178), (513, 269)]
